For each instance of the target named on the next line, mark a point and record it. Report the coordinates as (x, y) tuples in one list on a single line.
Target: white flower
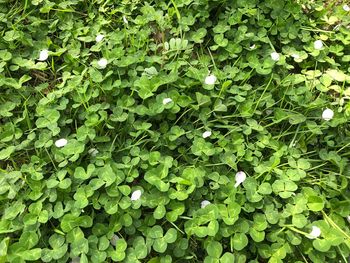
[(61, 142), (210, 79), (327, 114), (167, 100), (318, 44), (296, 56), (240, 178), (93, 152), (315, 232), (275, 56), (99, 38), (114, 240), (252, 46), (136, 195), (125, 20), (44, 54), (346, 8), (348, 218), (102, 63), (206, 134), (204, 203)]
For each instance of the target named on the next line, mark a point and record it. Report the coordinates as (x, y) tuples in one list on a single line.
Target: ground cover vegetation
[(174, 131)]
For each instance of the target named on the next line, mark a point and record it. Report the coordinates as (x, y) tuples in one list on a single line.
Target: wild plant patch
[(174, 131)]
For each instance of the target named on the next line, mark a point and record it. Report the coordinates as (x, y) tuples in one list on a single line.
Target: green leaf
[(214, 249), (84, 132), (103, 243), (171, 235), (50, 117), (80, 173), (156, 232), (83, 258), (279, 254), (337, 75), (159, 212), (79, 244), (299, 220), (157, 176), (260, 222), (229, 213), (69, 221), (6, 153), (210, 259), (5, 55), (322, 245), (120, 247), (265, 189), (194, 175), (31, 255), (56, 241), (239, 241), (256, 235), (12, 35), (202, 99), (29, 239), (199, 35), (227, 258), (284, 188), (160, 245), (3, 249), (296, 119), (107, 174), (13, 210), (315, 203), (140, 247)]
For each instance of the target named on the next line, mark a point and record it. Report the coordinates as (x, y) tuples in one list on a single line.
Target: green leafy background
[(72, 204)]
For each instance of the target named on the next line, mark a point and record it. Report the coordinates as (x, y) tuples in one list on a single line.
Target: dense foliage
[(174, 131)]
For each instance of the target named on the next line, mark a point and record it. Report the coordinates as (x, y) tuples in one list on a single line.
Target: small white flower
[(61, 142), (275, 56), (240, 178), (125, 20), (327, 114), (102, 63), (114, 240), (204, 203), (296, 56), (348, 218), (93, 152), (99, 38), (44, 54), (206, 134), (315, 232), (167, 100), (318, 44), (210, 79), (252, 46), (136, 195), (346, 8)]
